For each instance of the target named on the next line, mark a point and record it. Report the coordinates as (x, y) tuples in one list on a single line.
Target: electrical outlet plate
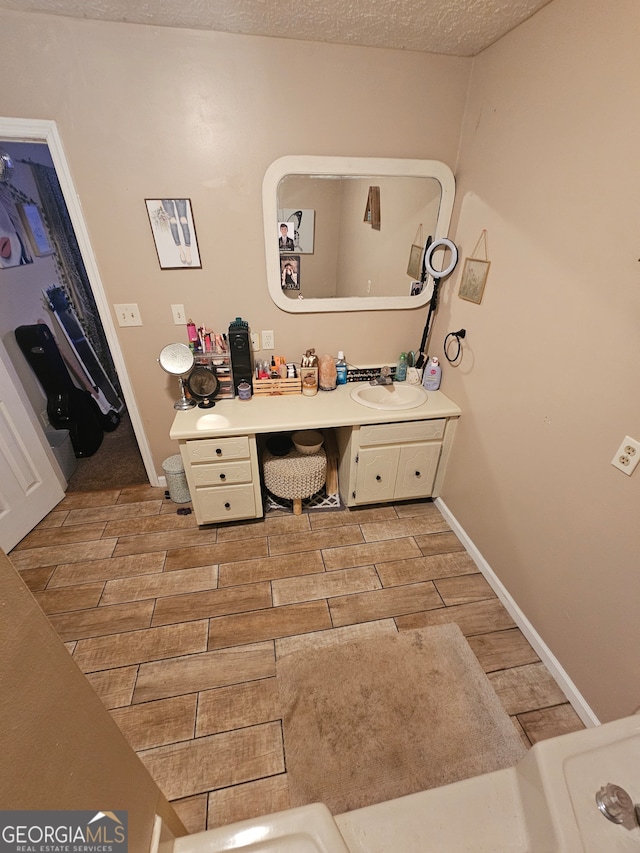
[(627, 456), (178, 315), (268, 340), (128, 315), (255, 341)]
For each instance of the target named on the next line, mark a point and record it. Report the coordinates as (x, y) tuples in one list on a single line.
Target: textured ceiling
[(455, 27)]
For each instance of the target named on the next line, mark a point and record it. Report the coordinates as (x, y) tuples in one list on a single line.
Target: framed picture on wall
[(174, 233), (474, 278), (36, 229)]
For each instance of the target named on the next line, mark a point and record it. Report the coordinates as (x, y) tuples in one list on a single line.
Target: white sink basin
[(389, 397), (212, 421), (308, 829)]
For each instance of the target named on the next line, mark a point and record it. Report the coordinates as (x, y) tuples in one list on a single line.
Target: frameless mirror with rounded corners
[(340, 232)]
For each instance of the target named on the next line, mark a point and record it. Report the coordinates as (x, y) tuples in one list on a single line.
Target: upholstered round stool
[(295, 476)]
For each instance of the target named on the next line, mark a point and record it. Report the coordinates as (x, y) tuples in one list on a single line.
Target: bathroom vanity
[(383, 454)]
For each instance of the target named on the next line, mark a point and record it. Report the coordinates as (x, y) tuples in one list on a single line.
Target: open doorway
[(54, 283)]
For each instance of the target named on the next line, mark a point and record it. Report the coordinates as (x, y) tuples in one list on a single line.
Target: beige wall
[(548, 165), (151, 113), (551, 369), (369, 259), (60, 747)]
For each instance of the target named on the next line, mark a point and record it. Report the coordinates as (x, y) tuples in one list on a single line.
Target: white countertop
[(296, 411)]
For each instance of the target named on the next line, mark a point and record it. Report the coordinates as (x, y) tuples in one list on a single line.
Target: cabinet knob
[(378, 477), (218, 451), (223, 476), (227, 505), (417, 473)]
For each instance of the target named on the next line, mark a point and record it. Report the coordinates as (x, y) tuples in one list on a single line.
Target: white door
[(29, 484)]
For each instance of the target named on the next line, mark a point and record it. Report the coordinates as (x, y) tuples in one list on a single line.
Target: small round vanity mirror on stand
[(203, 384), (178, 360)]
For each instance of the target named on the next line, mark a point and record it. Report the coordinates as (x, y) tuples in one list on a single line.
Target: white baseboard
[(545, 654)]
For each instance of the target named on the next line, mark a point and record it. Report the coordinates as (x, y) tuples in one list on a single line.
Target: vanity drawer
[(402, 432), (222, 473), (223, 503), (211, 450)]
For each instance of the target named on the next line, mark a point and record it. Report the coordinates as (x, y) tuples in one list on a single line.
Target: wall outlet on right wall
[(627, 455)]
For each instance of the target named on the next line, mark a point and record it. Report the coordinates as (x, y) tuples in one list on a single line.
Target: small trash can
[(173, 468), (60, 442)]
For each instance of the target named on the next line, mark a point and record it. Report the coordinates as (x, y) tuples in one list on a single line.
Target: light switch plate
[(178, 315), (128, 315)]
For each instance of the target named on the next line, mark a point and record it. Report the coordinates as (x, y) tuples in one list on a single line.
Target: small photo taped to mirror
[(285, 237), (290, 272)]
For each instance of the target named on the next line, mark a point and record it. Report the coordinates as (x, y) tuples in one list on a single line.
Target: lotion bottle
[(432, 375), (401, 368)]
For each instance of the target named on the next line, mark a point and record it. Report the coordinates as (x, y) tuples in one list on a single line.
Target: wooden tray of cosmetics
[(276, 387)]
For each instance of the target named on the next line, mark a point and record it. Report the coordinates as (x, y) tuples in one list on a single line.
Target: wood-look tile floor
[(178, 627)]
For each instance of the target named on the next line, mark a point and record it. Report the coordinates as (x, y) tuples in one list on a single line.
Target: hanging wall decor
[(301, 226), (372, 210), (174, 233), (474, 273)]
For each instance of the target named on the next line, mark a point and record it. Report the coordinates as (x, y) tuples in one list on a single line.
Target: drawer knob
[(227, 505), (223, 476), (218, 451)]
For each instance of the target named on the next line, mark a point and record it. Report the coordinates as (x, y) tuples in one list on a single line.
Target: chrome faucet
[(383, 378)]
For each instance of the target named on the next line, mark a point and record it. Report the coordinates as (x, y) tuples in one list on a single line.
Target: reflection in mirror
[(341, 259), (349, 257)]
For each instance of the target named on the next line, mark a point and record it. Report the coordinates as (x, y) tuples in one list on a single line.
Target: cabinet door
[(376, 475), (417, 470)]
